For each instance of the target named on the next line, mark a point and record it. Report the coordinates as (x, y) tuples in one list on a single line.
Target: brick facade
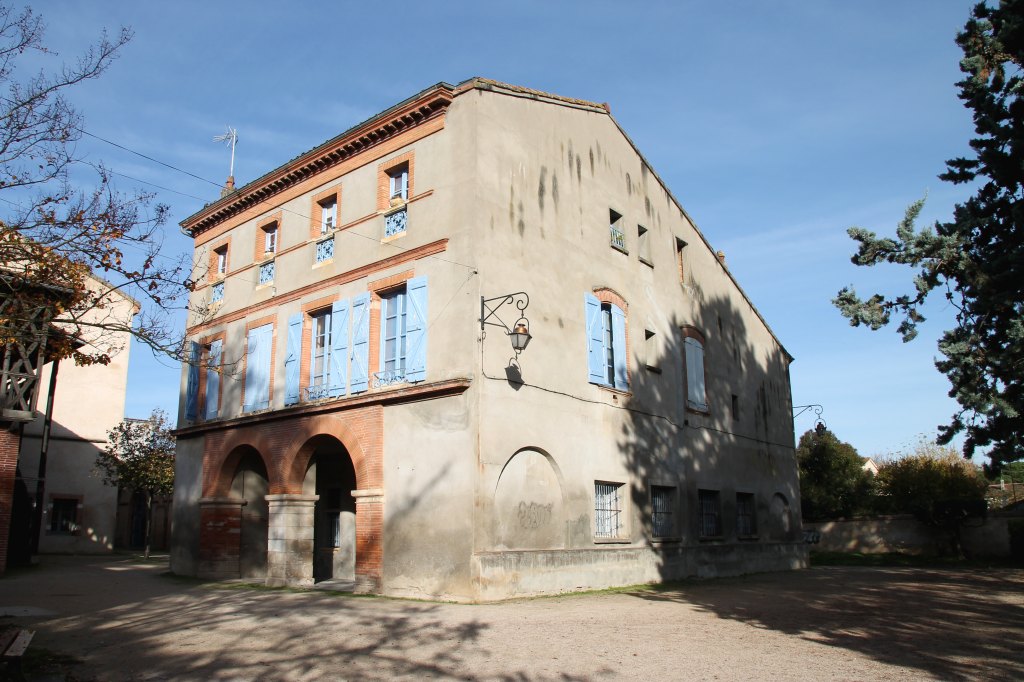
[(10, 442), (286, 447)]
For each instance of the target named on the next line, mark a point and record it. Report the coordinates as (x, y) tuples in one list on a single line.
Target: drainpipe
[(37, 517)]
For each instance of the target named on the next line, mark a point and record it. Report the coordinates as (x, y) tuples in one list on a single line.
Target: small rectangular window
[(643, 245), (680, 248), (398, 184), (746, 515), (607, 510), (663, 504), (710, 513), (617, 236), (270, 239), (652, 353), (735, 407), (319, 362), (328, 215), (222, 260), (64, 515)]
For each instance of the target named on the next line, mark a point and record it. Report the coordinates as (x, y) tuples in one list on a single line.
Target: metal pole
[(37, 516)]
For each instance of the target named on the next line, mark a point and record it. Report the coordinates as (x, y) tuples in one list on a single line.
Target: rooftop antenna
[(229, 138)]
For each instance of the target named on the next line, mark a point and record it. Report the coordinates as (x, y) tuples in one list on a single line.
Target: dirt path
[(126, 621)]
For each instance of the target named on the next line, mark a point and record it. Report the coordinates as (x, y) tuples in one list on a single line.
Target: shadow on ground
[(953, 624)]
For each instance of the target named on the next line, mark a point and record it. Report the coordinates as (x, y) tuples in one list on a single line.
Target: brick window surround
[(383, 178), (606, 295), (262, 227), (204, 345), (316, 206), (217, 247), (377, 289)]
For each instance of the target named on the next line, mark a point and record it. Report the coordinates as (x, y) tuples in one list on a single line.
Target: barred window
[(607, 510), (710, 504), (663, 503), (746, 515)]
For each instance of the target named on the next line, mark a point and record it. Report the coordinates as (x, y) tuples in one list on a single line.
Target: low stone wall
[(903, 533)]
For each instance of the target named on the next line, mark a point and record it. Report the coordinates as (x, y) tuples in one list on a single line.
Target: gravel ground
[(114, 619)]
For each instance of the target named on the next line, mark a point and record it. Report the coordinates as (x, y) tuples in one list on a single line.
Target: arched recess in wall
[(781, 521), (528, 503)]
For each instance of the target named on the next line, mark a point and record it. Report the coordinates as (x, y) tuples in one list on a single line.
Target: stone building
[(347, 416)]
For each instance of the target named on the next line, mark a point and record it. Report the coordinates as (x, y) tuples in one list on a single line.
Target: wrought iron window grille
[(325, 249), (395, 222)]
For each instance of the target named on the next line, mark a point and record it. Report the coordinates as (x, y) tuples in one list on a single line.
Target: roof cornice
[(416, 110)]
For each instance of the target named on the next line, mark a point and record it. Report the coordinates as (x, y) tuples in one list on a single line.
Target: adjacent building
[(347, 416)]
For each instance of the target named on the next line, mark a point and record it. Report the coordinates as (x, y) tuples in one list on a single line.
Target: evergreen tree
[(977, 258)]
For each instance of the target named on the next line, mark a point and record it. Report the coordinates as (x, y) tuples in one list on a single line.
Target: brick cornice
[(390, 396), (413, 112)]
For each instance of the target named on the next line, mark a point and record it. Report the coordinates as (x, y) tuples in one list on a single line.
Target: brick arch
[(221, 464), (606, 295), (304, 434)]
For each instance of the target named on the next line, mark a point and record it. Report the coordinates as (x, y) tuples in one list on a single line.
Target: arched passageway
[(331, 477), (250, 484)]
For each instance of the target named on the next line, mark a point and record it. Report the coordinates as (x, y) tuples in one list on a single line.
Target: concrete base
[(503, 575), (290, 540)]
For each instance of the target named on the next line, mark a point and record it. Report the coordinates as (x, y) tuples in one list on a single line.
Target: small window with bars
[(63, 516), (710, 513), (617, 236), (607, 510), (663, 506), (746, 515)]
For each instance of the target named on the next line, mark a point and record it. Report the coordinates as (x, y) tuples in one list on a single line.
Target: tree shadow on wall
[(740, 447)]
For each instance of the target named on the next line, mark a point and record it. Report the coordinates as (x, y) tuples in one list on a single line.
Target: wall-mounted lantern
[(519, 333)]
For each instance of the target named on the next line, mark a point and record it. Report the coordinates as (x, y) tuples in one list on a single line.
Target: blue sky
[(777, 125)]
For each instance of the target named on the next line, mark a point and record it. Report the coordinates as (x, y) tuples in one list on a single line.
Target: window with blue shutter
[(606, 344), (291, 359), (338, 361), (213, 379), (257, 368), (360, 353), (192, 384)]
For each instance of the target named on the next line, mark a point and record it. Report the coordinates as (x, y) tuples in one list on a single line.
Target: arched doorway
[(250, 484), (332, 477)]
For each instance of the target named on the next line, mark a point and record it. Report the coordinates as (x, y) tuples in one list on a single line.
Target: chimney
[(229, 186), (721, 257)]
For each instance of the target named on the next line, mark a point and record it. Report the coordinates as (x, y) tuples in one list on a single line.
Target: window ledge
[(651, 368), (645, 261), (613, 390), (396, 208), (695, 410), (611, 541), (747, 538), (620, 249), (668, 539), (711, 538)]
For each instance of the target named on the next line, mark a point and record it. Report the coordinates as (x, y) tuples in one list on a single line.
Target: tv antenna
[(229, 138)]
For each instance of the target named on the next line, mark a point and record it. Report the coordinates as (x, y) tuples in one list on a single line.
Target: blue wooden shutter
[(213, 379), (338, 376), (360, 342), (291, 359), (257, 368), (192, 385), (619, 347), (595, 341), (416, 329), (251, 372)]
